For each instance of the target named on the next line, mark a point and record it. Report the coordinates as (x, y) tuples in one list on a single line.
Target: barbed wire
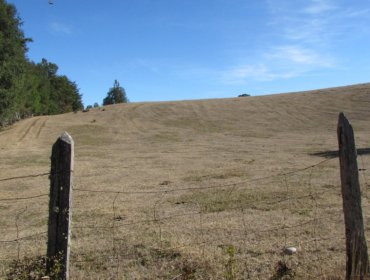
[(24, 237), (23, 198), (268, 270), (35, 175), (202, 241), (210, 242), (158, 221), (25, 177), (209, 187), (159, 191), (161, 219)]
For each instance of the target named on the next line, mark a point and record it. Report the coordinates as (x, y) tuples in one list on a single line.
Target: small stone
[(290, 250)]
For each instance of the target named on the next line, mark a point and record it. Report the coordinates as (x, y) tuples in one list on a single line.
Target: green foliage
[(46, 93), (116, 94), (32, 268), (230, 266), (27, 88), (244, 95), (12, 60)]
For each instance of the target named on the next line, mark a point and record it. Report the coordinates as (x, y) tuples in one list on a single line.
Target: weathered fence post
[(60, 206), (357, 266)]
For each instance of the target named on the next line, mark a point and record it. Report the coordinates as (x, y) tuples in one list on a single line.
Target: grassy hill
[(191, 188)]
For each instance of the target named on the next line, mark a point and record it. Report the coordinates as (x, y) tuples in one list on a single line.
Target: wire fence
[(244, 229)]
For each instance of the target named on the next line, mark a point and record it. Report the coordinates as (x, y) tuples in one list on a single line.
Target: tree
[(116, 94), (65, 95), (244, 95), (12, 61), (28, 88)]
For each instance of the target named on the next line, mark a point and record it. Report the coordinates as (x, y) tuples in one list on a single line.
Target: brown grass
[(181, 197)]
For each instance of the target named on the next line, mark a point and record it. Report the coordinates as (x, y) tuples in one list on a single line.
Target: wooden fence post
[(357, 266), (60, 206)]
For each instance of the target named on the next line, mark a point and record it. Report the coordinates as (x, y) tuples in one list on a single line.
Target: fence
[(236, 230)]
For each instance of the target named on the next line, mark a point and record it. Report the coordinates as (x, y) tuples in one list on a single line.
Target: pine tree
[(116, 94)]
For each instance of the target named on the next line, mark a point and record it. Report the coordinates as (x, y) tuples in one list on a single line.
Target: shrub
[(31, 268), (244, 95)]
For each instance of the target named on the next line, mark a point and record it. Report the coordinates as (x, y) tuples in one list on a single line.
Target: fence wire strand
[(169, 227)]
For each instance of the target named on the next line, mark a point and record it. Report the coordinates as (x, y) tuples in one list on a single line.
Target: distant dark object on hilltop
[(244, 95)]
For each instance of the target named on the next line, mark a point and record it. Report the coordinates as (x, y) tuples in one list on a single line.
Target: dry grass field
[(207, 189)]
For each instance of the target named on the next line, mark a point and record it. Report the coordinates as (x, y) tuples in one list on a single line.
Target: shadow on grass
[(334, 154)]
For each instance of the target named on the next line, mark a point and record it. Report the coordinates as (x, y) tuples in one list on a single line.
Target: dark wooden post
[(60, 206), (357, 266)]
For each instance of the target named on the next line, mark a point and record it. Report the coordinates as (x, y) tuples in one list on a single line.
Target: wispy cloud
[(58, 27), (308, 23), (313, 31), (314, 22), (299, 56), (318, 7), (351, 13), (259, 72), (301, 43), (280, 62), (305, 32)]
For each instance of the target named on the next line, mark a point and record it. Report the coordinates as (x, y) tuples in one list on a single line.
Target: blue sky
[(193, 49)]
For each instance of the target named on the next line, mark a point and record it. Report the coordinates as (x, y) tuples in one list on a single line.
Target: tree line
[(28, 88)]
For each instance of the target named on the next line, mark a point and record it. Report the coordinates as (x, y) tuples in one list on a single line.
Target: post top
[(342, 120), (66, 137)]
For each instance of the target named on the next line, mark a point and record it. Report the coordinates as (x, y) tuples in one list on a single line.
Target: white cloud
[(298, 55), (311, 21), (260, 72), (312, 31), (58, 27), (306, 35), (281, 62), (317, 7), (351, 13)]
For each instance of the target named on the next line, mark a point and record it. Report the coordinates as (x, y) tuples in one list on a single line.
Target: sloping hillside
[(150, 147), (295, 123)]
